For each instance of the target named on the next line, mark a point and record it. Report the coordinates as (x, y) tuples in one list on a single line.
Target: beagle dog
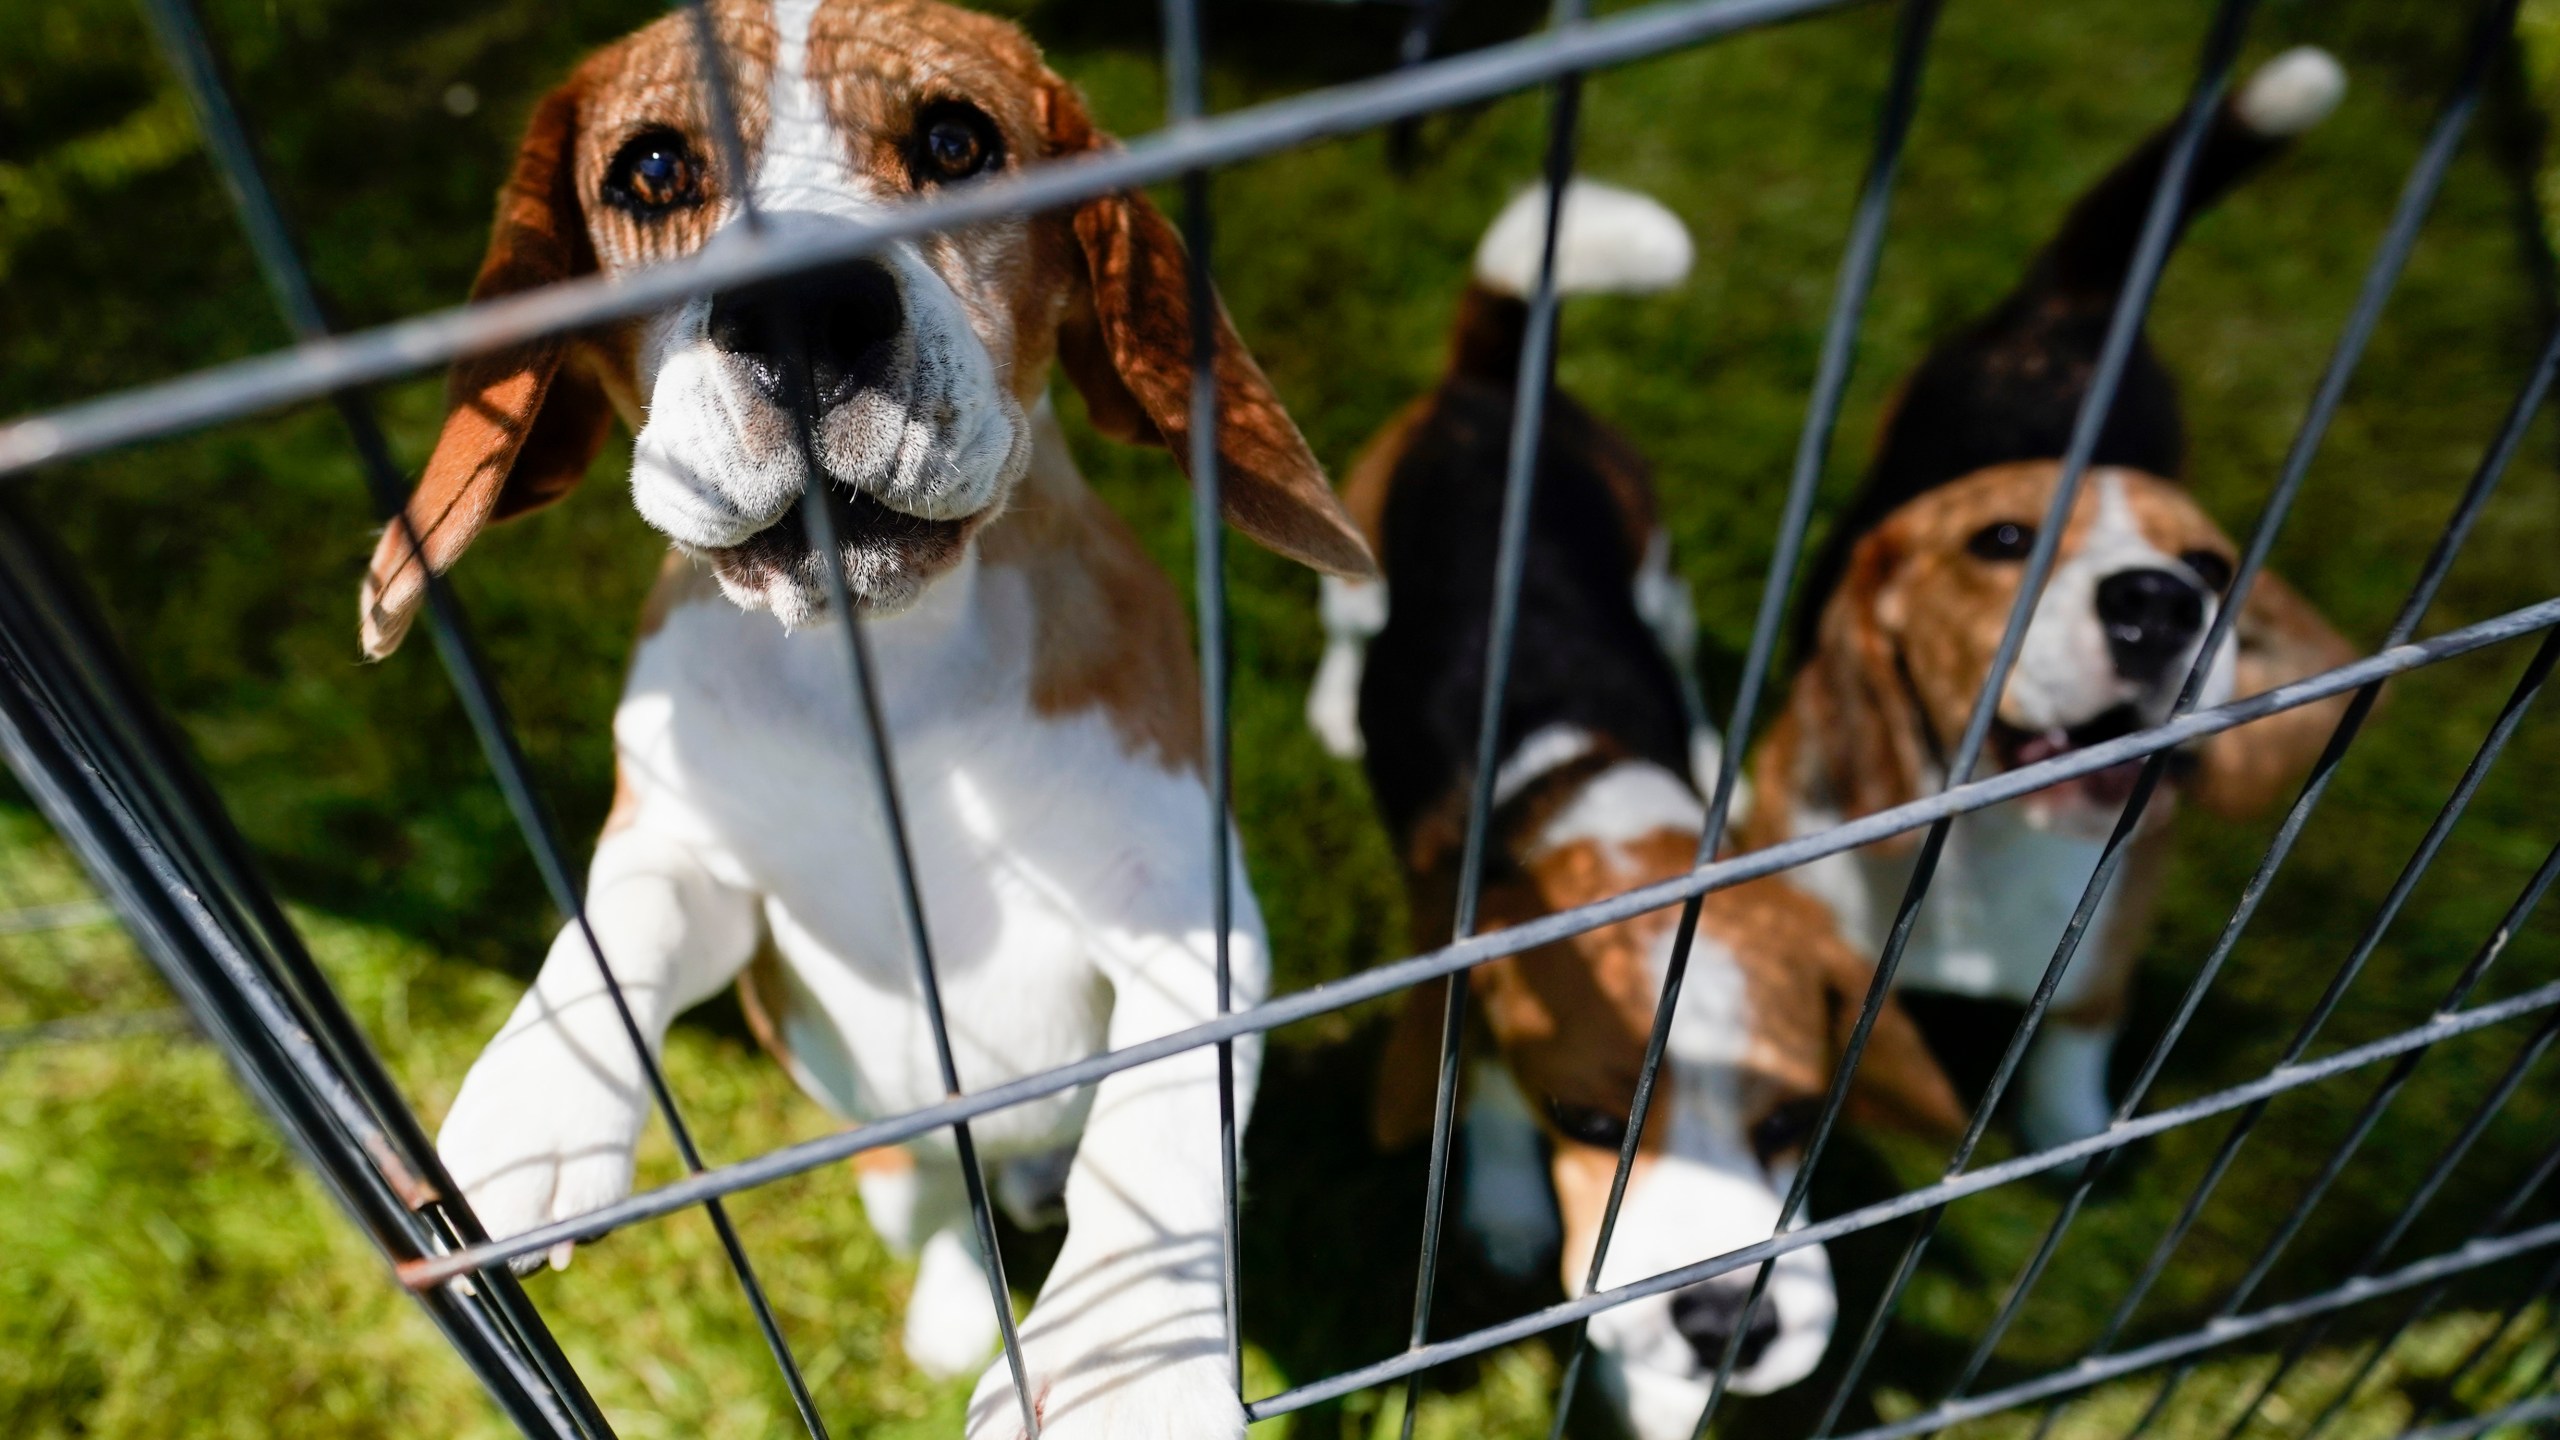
[(1593, 796), (1035, 672), (1903, 613)]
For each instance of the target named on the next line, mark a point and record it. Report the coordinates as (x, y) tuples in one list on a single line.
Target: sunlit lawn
[(167, 1270)]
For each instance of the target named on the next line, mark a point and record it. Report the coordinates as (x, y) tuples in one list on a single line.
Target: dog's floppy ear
[(1898, 1085), (1126, 344), (2278, 639), (520, 426), (1870, 729)]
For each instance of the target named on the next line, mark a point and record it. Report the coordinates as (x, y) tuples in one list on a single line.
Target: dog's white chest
[(1036, 841), (1995, 911)]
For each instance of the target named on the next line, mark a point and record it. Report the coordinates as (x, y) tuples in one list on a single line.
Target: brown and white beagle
[(1034, 668), (1908, 606), (1594, 796)]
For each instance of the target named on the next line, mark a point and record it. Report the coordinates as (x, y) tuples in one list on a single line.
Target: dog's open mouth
[(2110, 786), (887, 553)]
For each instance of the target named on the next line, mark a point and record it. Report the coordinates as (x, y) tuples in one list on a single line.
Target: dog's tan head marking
[(1910, 630), (1909, 634), (1765, 1014), (1571, 1019), (925, 358)]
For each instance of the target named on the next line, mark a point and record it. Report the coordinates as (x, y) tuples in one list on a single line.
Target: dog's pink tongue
[(2042, 747), (2111, 786)]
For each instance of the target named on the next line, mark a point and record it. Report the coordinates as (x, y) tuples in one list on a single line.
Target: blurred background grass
[(168, 1271)]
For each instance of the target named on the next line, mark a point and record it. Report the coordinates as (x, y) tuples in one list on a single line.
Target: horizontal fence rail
[(109, 774), (319, 368), (1438, 964)]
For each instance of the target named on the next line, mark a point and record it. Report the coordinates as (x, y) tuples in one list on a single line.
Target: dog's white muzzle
[(906, 419)]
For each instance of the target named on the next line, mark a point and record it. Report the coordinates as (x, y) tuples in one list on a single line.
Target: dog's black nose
[(1705, 1314), (2151, 617), (842, 322)]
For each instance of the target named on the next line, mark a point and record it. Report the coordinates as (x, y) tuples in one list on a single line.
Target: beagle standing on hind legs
[(1593, 796), (1035, 671), (1907, 607)]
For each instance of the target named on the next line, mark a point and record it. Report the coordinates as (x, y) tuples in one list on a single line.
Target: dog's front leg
[(546, 1121), (1128, 1338)]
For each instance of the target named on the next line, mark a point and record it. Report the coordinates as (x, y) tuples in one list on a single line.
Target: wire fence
[(87, 742)]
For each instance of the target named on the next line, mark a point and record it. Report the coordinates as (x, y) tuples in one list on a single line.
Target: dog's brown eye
[(2212, 567), (653, 174), (954, 148), (1588, 1124), (953, 142), (2002, 540), (1784, 1129)]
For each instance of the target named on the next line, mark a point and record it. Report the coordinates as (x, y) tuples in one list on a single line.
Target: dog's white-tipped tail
[(2292, 92), (1613, 241)]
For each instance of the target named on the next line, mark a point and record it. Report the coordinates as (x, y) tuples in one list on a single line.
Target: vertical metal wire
[(2509, 717), (2220, 53), (2542, 1385), (2392, 1083), (2225, 1329), (2550, 1368), (271, 242), (2538, 1413), (1184, 82), (880, 763), (2381, 279), (726, 130), (125, 746), (2382, 1349), (2439, 562), (884, 779), (1916, 26), (2458, 1148), (2544, 1289), (2311, 1335), (106, 772), (2442, 1389), (1528, 416), (1421, 33), (190, 55), (2451, 1156), (228, 877)]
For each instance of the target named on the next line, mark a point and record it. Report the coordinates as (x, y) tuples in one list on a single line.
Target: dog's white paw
[(951, 1317), (1159, 1392), (1127, 1342), (539, 1133)]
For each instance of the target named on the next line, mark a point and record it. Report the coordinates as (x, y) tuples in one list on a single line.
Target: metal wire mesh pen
[(88, 742)]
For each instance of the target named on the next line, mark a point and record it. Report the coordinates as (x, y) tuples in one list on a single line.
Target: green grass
[(169, 1271)]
